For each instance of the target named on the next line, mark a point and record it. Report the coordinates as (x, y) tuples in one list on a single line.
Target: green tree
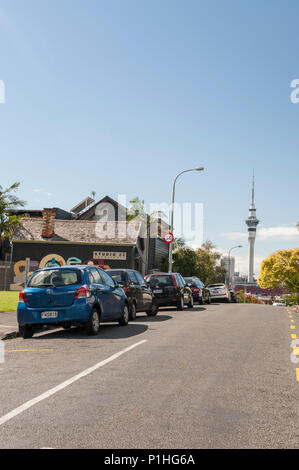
[(204, 263), (185, 261), (178, 243), (137, 210), (281, 269), (9, 201), (211, 268)]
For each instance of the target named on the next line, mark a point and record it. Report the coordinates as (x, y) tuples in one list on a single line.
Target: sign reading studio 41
[(168, 238)]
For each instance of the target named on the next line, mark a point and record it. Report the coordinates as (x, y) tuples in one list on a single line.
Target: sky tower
[(252, 222)]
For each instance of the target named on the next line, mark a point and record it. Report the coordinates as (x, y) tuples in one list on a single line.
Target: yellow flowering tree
[(281, 269)]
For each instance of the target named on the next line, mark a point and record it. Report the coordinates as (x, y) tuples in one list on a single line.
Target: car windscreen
[(119, 276), (161, 281), (190, 282), (55, 278)]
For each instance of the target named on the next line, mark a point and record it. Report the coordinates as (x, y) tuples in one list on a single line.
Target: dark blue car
[(71, 295)]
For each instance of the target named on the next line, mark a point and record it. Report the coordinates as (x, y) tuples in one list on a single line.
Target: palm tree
[(8, 202)]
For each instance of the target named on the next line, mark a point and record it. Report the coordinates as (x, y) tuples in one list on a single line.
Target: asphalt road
[(217, 376)]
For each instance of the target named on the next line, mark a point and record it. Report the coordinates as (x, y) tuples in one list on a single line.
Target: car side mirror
[(117, 285)]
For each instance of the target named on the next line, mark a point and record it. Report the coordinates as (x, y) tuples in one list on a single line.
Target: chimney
[(48, 223)]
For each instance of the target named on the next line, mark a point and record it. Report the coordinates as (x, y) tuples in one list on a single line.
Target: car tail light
[(125, 289), (174, 280), (82, 292), (196, 290), (22, 297)]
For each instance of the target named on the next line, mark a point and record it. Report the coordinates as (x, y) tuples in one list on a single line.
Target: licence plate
[(158, 291), (49, 315)]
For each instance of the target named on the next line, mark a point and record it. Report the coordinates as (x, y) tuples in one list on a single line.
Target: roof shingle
[(79, 231)]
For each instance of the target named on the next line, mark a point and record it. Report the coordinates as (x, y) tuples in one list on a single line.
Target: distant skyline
[(118, 97)]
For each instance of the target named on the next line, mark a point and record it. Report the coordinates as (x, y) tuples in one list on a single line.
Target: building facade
[(97, 234)]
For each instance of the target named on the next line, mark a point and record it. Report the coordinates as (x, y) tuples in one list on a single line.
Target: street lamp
[(233, 248), (172, 211)]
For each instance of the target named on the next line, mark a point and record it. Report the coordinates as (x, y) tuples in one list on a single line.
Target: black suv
[(170, 290), (201, 294), (140, 296)]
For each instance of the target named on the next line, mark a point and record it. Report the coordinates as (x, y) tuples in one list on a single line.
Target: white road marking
[(52, 391)]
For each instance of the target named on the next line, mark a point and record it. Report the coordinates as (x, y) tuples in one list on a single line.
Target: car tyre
[(93, 324), (133, 311), (209, 301), (180, 304), (26, 331), (191, 303), (125, 316), (154, 310)]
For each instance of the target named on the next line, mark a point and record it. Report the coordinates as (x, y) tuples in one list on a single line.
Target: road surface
[(217, 376)]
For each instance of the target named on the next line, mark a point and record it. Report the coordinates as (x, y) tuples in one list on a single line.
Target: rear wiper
[(44, 285)]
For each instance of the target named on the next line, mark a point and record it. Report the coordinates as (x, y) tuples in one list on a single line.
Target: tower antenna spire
[(253, 183)]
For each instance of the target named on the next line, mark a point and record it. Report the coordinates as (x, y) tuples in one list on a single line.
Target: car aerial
[(67, 296), (200, 293), (170, 289), (140, 296), (219, 292)]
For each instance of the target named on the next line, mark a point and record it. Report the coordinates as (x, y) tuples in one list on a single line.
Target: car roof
[(76, 266), (121, 269)]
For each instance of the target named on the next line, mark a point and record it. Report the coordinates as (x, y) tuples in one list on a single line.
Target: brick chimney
[(48, 223)]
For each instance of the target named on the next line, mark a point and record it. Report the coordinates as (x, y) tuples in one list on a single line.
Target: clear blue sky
[(119, 96)]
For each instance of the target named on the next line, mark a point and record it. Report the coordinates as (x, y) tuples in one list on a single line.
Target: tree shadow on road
[(107, 331), (156, 319)]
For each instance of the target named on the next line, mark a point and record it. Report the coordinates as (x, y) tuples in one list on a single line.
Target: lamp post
[(172, 212), (233, 248)]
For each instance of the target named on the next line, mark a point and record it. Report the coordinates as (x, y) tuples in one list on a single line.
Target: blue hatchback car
[(71, 295)]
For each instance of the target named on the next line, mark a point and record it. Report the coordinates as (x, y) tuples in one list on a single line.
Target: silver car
[(219, 292)]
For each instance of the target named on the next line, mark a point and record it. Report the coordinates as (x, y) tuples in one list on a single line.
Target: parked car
[(140, 296), (66, 296), (200, 293), (170, 290), (219, 292), (233, 296), (279, 303)]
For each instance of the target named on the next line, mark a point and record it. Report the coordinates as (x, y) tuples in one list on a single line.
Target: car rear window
[(55, 278), (161, 280), (118, 276), (217, 285)]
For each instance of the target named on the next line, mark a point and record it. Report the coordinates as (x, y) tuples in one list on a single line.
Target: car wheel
[(200, 301), (133, 311), (209, 301), (26, 331), (191, 302), (154, 310), (93, 324), (125, 317), (180, 304)]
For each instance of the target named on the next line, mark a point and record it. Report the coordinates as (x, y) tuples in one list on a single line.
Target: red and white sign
[(169, 238)]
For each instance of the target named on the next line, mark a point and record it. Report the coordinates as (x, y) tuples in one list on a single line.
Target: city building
[(229, 264)]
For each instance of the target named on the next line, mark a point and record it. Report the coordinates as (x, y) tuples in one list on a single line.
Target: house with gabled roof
[(95, 233)]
